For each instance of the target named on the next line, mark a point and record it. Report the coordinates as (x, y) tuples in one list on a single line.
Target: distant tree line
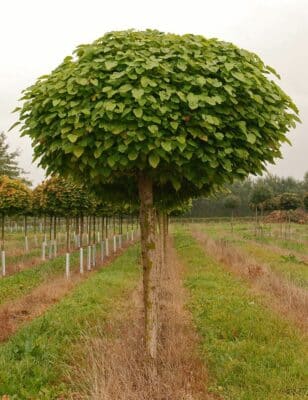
[(241, 198), (8, 162)]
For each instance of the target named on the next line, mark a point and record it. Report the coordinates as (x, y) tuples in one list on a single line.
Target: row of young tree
[(242, 198), (57, 201)]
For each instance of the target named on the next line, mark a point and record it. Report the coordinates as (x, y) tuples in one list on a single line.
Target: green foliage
[(58, 196), (8, 162), (15, 197), (214, 205), (305, 201), (289, 201), (284, 201), (232, 202), (259, 195), (182, 208), (271, 204), (180, 108)]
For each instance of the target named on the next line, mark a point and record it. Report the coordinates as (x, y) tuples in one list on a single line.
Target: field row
[(250, 351)]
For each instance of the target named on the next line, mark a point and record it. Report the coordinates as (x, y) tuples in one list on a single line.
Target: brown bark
[(165, 236), (160, 221), (150, 263)]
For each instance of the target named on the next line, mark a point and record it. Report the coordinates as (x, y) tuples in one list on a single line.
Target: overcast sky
[(36, 35)]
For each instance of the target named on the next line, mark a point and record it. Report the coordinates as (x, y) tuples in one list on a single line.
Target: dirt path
[(13, 314), (114, 366), (277, 293)]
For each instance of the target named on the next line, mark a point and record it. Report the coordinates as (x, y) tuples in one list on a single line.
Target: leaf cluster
[(15, 197), (61, 197), (180, 108), (284, 201)]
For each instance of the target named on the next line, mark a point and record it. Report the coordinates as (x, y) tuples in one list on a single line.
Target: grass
[(290, 266), (34, 362), (250, 352), (21, 283), (298, 242)]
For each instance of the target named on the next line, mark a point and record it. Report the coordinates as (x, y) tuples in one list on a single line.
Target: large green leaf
[(110, 64), (167, 146), (193, 101), (251, 138), (154, 160), (72, 138), (78, 151), (138, 93), (138, 112)]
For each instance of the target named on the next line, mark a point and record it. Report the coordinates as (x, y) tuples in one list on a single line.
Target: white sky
[(35, 35)]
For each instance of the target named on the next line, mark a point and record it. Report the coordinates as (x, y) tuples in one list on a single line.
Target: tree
[(305, 181), (232, 202), (259, 195), (271, 204), (15, 198), (157, 110), (305, 201), (289, 201), (8, 163)]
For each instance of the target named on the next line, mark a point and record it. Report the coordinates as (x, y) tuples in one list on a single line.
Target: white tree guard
[(3, 262), (81, 260), (67, 265)]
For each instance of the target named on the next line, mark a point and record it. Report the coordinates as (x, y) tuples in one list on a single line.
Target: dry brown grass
[(113, 366), (279, 293), (22, 265), (15, 313)]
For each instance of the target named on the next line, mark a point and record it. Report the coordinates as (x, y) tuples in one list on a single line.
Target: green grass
[(250, 352), (33, 362), (21, 283), (291, 266)]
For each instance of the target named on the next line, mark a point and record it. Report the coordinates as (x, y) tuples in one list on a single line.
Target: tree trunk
[(150, 263), (165, 235), (160, 244)]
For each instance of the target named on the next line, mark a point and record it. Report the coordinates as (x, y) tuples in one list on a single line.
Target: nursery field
[(234, 317)]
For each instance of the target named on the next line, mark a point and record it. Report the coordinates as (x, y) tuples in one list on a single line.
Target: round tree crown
[(15, 197), (178, 108)]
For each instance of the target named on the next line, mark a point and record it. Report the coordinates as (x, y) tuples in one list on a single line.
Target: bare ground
[(114, 366), (278, 293)]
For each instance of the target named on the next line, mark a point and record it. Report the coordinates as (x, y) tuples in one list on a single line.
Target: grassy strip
[(251, 354), (247, 232), (20, 258), (32, 363), (13, 286), (290, 266)]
